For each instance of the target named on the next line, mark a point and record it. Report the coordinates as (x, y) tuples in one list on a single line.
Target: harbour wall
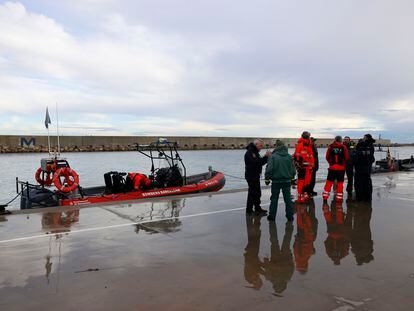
[(27, 143)]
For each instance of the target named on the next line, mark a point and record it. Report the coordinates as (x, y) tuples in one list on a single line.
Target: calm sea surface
[(92, 165)]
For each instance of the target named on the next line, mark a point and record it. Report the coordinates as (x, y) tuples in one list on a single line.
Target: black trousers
[(350, 175), (254, 194), (313, 182), (363, 183)]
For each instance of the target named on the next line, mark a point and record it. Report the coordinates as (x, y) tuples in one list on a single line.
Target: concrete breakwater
[(24, 143)]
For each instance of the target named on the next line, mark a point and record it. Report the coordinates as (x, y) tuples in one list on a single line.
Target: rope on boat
[(232, 176), (3, 206), (237, 177)]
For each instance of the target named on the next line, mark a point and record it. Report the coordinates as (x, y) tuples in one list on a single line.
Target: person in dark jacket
[(364, 158), (315, 168), (254, 163), (350, 145)]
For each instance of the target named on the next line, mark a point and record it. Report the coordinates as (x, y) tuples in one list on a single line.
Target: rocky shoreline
[(44, 149)]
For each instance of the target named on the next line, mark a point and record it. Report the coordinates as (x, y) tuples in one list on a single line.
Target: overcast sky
[(208, 67)]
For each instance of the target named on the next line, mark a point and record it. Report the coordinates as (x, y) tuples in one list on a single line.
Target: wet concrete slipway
[(203, 253)]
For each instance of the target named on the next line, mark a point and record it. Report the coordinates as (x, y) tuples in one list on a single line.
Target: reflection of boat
[(169, 218), (58, 222), (164, 181)]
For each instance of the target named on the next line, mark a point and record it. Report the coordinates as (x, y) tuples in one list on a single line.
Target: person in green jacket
[(280, 170)]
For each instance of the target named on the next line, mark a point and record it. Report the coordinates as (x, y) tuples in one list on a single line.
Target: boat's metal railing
[(166, 151), (23, 187)]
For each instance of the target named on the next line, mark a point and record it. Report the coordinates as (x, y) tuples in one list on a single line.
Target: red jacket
[(304, 153), (139, 181), (337, 156)]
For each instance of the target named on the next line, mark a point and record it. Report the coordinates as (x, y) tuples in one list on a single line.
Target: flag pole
[(47, 122), (48, 140), (57, 128)]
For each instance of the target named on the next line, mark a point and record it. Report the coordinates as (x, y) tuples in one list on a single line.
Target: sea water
[(91, 166)]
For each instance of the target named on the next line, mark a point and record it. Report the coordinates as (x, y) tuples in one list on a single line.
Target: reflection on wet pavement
[(358, 221), (169, 218), (59, 222), (253, 266), (345, 229), (204, 253), (279, 267), (307, 229), (337, 240)]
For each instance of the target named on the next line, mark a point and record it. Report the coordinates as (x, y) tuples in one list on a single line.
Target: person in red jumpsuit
[(304, 161), (139, 181), (337, 157)]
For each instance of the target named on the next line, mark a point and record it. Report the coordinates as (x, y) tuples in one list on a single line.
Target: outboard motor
[(35, 197)]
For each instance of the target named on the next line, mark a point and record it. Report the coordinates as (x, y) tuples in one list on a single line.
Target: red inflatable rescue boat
[(119, 186)]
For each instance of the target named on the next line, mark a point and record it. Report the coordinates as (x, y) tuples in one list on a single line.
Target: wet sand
[(203, 253)]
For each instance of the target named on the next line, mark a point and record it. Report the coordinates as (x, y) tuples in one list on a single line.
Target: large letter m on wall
[(27, 142)]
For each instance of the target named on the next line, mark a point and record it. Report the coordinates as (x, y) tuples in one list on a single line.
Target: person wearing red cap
[(337, 157), (304, 161)]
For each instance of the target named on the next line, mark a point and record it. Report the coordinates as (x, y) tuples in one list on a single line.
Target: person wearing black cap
[(350, 145), (253, 169), (315, 168), (364, 158)]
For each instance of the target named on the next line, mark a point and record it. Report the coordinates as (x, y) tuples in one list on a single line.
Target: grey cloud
[(354, 58)]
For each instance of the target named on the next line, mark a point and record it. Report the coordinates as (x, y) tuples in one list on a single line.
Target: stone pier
[(27, 143)]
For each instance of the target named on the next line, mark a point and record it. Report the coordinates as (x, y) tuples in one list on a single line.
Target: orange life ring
[(44, 179), (70, 182)]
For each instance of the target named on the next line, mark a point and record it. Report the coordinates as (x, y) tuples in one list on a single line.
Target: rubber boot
[(327, 190), (339, 191)]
